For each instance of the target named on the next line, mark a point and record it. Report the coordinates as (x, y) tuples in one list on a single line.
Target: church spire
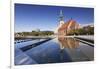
[(61, 20), (61, 15)]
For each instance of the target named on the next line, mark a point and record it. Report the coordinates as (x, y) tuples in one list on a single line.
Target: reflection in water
[(57, 50), (77, 50), (68, 43)]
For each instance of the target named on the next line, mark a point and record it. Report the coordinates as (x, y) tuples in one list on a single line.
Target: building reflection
[(68, 43)]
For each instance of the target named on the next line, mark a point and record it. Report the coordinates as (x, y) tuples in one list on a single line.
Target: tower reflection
[(68, 43)]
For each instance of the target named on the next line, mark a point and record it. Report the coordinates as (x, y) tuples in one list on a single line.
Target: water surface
[(59, 50)]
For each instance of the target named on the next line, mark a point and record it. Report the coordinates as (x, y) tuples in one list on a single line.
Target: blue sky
[(30, 17)]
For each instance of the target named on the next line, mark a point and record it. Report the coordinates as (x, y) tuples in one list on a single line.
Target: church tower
[(61, 21), (61, 18)]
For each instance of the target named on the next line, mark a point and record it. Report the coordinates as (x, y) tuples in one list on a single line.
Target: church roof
[(66, 24)]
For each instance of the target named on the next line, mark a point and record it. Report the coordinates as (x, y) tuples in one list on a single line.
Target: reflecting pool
[(55, 50)]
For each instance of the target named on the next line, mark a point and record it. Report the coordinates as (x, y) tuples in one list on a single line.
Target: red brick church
[(65, 27)]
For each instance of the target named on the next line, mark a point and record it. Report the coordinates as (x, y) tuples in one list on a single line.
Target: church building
[(65, 27)]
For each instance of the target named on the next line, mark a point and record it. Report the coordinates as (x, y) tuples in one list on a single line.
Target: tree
[(82, 31)]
